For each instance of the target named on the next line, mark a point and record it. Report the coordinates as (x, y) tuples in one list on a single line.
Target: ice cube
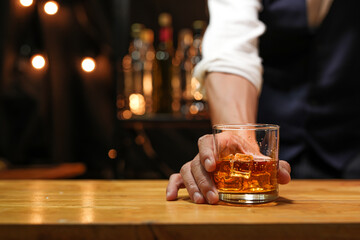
[(241, 165)]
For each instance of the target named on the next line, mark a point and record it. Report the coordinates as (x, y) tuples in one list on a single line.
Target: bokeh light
[(193, 109), (51, 7), (112, 153), (137, 103), (88, 64), (198, 96), (38, 61), (26, 3), (126, 114)]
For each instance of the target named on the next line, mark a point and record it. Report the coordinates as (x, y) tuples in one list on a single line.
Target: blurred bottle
[(132, 63), (133, 67), (199, 27), (148, 57), (198, 107), (162, 78), (184, 67)]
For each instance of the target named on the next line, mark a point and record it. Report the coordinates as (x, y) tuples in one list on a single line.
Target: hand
[(195, 176)]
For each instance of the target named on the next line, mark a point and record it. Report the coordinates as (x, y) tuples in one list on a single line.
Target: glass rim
[(247, 126)]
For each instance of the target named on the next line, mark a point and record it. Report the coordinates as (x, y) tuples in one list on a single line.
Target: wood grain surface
[(78, 209)]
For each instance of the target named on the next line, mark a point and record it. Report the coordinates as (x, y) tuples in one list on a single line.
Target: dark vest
[(312, 81)]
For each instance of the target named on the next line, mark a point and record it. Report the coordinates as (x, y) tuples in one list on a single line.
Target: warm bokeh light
[(147, 84), (193, 109), (26, 3), (150, 56), (126, 114), (88, 64), (137, 103), (51, 7), (198, 96), (195, 85), (38, 61), (112, 153)]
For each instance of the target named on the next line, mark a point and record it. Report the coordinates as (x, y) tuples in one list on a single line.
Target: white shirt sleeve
[(230, 43)]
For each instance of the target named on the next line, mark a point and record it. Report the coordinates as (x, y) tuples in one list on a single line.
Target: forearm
[(232, 98)]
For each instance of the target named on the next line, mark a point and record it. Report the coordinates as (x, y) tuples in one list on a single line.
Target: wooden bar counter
[(77, 209)]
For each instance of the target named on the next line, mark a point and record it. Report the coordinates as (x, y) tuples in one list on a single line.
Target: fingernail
[(211, 197), (208, 164), (197, 197), (167, 194)]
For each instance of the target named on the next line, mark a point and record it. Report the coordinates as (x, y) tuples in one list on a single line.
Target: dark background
[(60, 114)]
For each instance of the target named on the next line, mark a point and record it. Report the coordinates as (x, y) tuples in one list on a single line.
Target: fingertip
[(174, 184), (171, 195), (284, 175), (209, 165), (212, 197)]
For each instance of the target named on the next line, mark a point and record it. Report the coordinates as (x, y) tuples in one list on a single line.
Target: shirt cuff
[(248, 67)]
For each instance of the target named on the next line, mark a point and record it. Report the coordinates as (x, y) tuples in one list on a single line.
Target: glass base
[(249, 198)]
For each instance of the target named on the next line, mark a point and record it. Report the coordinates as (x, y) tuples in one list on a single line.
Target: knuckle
[(203, 183), (194, 164), (184, 169), (174, 176), (192, 187), (203, 138)]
